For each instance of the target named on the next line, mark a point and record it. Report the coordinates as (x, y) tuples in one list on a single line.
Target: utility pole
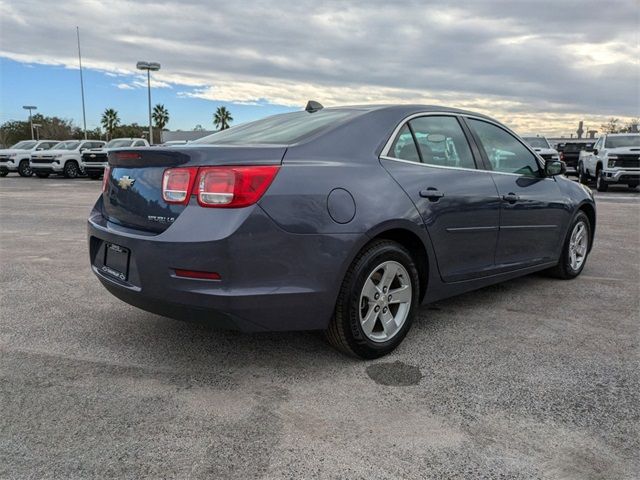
[(149, 67), (84, 115), (30, 107)]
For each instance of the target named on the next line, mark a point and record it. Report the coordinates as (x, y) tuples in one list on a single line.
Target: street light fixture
[(30, 107), (149, 67)]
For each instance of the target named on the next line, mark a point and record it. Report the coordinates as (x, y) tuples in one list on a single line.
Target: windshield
[(537, 142), (622, 141), (281, 129), (70, 145), (25, 145), (119, 142)]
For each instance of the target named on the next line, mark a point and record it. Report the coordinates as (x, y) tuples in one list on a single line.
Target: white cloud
[(521, 61)]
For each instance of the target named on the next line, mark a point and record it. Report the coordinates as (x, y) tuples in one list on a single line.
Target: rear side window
[(282, 129), (505, 152), (139, 143), (404, 147), (442, 142)]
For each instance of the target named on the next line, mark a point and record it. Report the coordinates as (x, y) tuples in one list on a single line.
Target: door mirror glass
[(595, 151), (554, 167)]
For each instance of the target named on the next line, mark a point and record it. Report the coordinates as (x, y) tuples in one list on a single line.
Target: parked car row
[(70, 158)]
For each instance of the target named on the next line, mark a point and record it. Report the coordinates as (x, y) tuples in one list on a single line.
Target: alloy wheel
[(385, 301), (578, 244)]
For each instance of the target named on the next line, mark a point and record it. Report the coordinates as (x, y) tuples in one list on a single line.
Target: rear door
[(533, 210), (431, 158)]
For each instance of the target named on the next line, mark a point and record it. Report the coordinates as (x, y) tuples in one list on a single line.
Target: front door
[(432, 161), (533, 211)]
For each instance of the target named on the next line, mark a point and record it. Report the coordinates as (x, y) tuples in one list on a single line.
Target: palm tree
[(222, 118), (110, 121), (160, 116)]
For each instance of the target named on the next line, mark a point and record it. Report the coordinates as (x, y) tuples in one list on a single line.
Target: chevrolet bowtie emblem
[(126, 182)]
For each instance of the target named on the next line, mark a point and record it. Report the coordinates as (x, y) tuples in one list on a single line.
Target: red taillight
[(105, 178), (177, 184), (233, 187), (197, 274), (562, 156), (225, 187)]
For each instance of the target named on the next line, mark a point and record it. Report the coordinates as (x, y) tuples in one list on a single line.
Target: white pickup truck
[(94, 161), (615, 159), (63, 158), (542, 147), (16, 158)]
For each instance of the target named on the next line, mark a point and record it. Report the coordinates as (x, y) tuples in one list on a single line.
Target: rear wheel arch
[(416, 247)]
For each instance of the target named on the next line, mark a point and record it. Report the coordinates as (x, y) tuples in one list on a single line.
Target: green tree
[(160, 116), (132, 130), (222, 118), (612, 126), (110, 121)]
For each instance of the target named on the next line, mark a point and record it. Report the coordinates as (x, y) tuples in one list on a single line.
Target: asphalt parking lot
[(535, 378)]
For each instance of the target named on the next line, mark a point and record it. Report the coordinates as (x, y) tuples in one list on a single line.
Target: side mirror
[(595, 151), (39, 148), (554, 167)]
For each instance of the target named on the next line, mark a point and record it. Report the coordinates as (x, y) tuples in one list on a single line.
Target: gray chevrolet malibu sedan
[(336, 219)]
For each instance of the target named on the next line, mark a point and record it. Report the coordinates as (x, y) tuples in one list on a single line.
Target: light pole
[(37, 127), (149, 67), (30, 107)]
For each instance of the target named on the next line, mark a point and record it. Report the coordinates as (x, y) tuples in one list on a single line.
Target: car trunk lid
[(133, 193)]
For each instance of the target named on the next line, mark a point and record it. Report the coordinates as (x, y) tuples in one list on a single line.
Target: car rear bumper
[(271, 280)]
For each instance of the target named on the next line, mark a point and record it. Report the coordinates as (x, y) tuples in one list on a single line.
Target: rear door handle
[(511, 197), (432, 194)]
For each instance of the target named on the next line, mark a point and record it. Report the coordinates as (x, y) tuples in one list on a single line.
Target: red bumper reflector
[(196, 274)]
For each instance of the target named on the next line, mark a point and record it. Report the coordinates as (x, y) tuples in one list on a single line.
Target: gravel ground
[(534, 378)]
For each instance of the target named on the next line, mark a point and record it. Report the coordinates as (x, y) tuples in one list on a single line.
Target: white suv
[(16, 158), (542, 147), (63, 158), (95, 160), (615, 159)]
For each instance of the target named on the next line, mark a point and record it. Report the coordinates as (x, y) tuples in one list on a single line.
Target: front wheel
[(24, 170), (601, 184), (71, 169), (4, 174), (377, 301), (583, 177), (575, 249)]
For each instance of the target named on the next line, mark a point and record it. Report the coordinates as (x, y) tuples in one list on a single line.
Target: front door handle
[(432, 194), (511, 197)]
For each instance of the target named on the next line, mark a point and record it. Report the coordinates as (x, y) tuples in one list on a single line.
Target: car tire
[(42, 175), (632, 186), (24, 170), (583, 177), (601, 185), (380, 269), (4, 174), (94, 176), (566, 268), (71, 169)]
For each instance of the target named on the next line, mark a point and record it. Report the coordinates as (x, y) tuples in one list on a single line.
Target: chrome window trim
[(385, 150)]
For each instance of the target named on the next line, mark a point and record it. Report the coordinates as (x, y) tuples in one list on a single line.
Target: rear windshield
[(282, 129), (622, 141), (537, 142)]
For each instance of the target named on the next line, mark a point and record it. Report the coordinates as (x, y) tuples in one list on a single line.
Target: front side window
[(442, 142), (139, 143), (504, 151)]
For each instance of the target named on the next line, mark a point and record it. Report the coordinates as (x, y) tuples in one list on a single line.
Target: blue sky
[(55, 90), (520, 62)]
